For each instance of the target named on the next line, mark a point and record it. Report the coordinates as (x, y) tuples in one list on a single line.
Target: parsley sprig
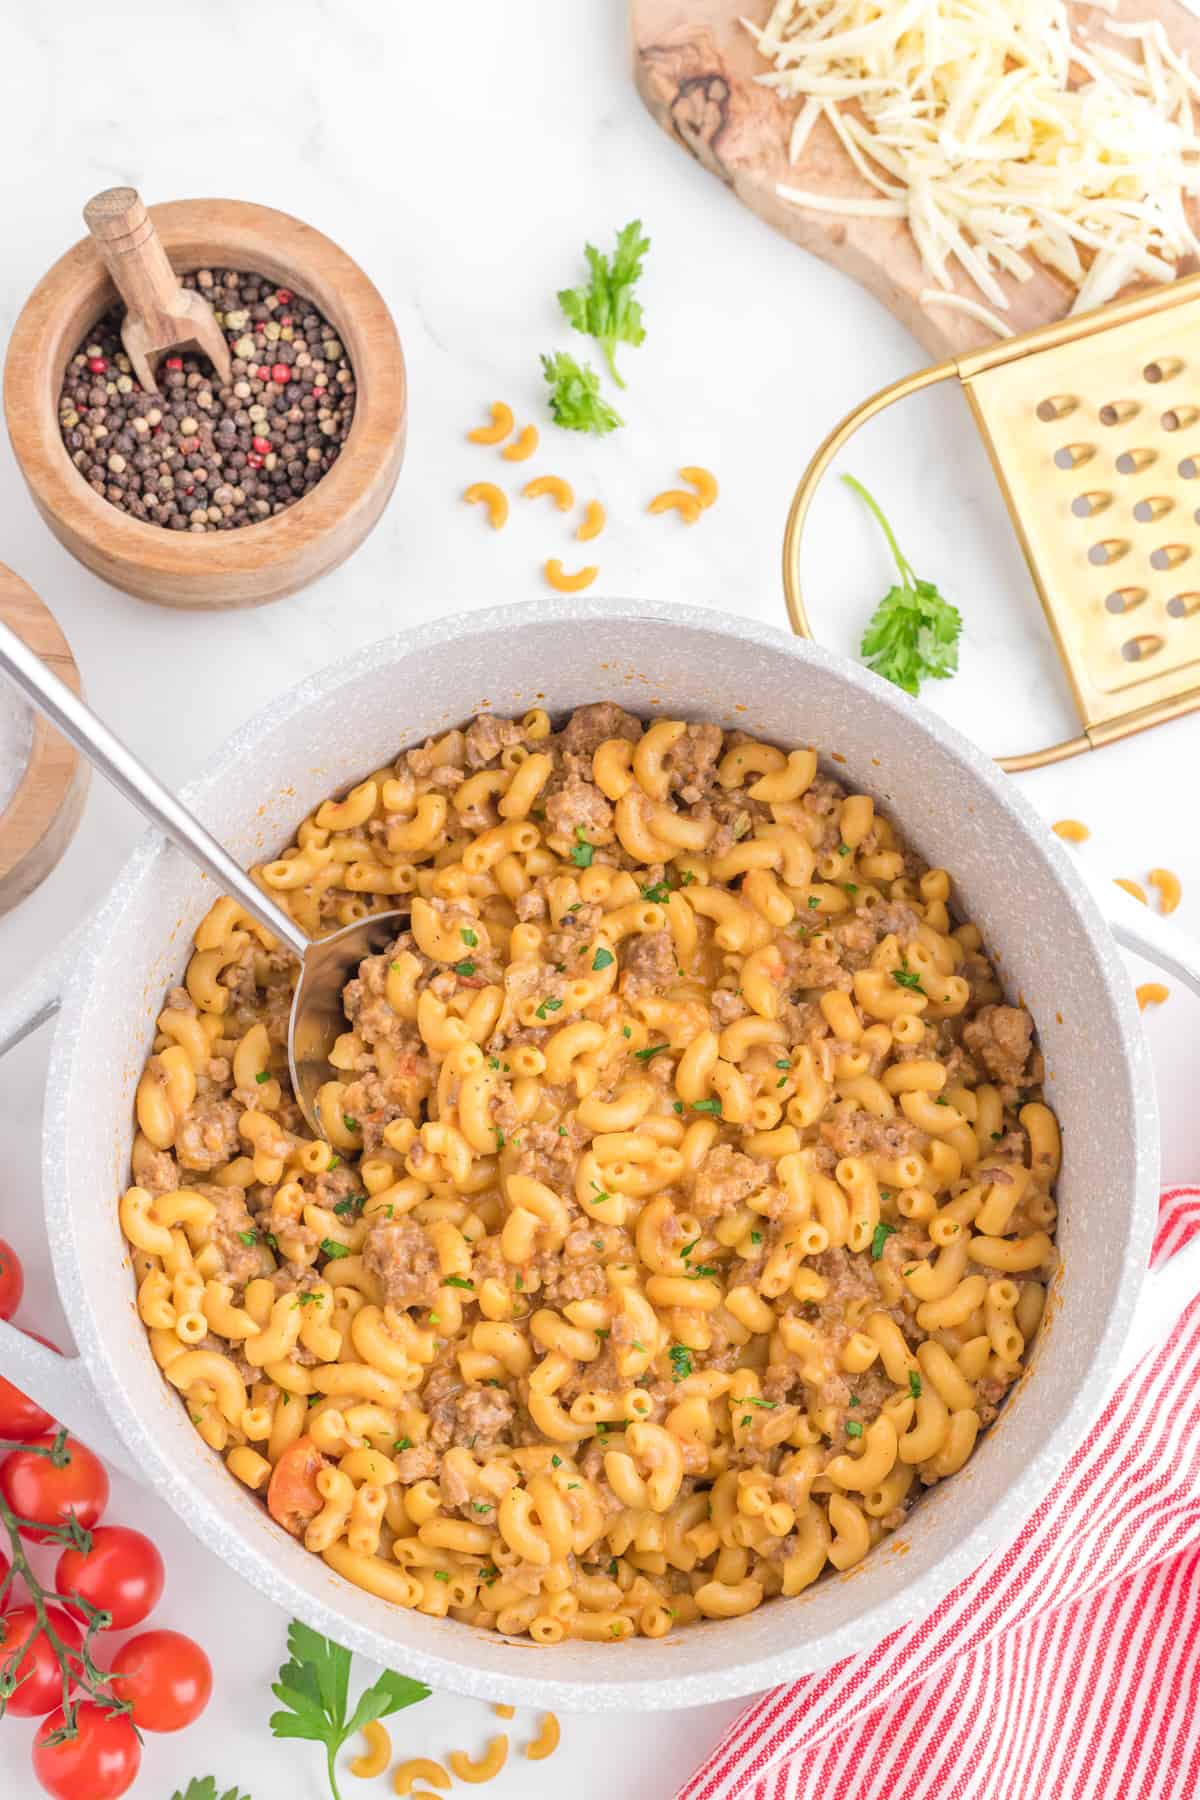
[(204, 1787), (913, 633), (576, 402), (606, 308), (314, 1688)]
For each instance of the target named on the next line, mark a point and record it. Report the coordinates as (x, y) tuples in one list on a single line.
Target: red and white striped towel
[(1065, 1668)]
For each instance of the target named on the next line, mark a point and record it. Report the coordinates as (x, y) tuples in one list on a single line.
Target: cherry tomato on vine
[(12, 1280), (122, 1574), (35, 1489), (20, 1417), (34, 1671), (99, 1763), (165, 1676)]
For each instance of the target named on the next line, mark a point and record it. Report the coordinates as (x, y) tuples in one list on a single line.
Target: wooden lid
[(40, 819)]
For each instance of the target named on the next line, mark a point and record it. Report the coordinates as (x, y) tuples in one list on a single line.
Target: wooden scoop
[(160, 316)]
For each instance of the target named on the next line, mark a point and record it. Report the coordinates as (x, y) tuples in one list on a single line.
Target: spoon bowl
[(318, 1017)]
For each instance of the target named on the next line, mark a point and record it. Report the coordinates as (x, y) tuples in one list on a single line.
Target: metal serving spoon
[(326, 964)]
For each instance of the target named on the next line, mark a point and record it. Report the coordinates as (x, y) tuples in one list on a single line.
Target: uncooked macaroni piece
[(1169, 888), (558, 577), (1152, 993), (704, 482), (498, 430), (688, 506), (560, 491), (488, 1766), (522, 446), (1073, 830), (418, 1768), (1132, 887), (378, 1754), (546, 1741), (684, 1204), (593, 521), (486, 493)]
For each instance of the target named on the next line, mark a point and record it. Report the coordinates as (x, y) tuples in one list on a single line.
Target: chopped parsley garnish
[(582, 853), (688, 1248), (556, 1462), (441, 1574), (602, 1331), (404, 1443), (850, 887), (814, 900), (481, 1506), (770, 1405), (548, 1006), (335, 1162), (745, 1420), (493, 1062), (854, 1400), (469, 938), (626, 1031), (843, 849), (681, 1361), (345, 1209), (907, 978), (879, 1238), (756, 1237), (707, 1106), (783, 1063), (649, 1051), (700, 1271), (248, 1238), (603, 958), (657, 894), (941, 1101), (464, 968), (914, 1384), (597, 1243), (499, 1140), (458, 1282), (854, 1429), (263, 1075), (677, 1106), (333, 1250), (349, 1123)]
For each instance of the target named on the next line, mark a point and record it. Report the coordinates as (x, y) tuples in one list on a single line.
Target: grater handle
[(802, 500), (1138, 929)]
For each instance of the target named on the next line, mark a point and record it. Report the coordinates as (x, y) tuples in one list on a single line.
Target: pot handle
[(1169, 1286), (1147, 933), (61, 1384)]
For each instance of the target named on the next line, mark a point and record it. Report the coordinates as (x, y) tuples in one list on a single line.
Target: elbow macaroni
[(684, 1199)]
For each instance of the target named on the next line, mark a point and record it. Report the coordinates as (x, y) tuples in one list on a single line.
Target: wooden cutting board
[(695, 66)]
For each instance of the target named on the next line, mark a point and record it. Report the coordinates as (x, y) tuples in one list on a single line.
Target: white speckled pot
[(950, 800)]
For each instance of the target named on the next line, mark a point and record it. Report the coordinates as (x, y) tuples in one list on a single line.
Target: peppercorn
[(199, 456)]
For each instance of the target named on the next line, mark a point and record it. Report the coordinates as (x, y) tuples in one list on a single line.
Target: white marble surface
[(464, 165)]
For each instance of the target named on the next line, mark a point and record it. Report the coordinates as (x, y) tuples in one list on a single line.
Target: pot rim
[(658, 1688)]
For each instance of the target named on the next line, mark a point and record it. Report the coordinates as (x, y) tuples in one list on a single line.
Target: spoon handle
[(124, 234), (119, 765)]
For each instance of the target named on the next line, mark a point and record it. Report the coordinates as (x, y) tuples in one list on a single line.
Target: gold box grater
[(1093, 429)]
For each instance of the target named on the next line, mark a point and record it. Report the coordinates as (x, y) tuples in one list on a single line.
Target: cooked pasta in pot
[(684, 1205)]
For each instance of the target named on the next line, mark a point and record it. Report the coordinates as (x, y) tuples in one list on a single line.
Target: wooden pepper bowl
[(40, 819), (254, 563)]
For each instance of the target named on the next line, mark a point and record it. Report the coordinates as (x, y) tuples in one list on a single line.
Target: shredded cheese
[(999, 138)]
